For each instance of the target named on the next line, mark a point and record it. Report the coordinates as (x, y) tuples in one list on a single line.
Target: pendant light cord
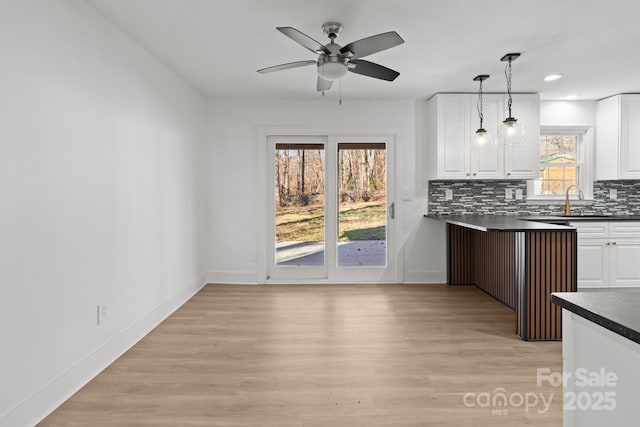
[(479, 105), (507, 74)]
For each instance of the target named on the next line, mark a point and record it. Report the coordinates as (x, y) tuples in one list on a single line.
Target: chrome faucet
[(567, 206)]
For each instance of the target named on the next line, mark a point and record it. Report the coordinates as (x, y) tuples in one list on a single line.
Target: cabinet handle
[(508, 173), (608, 244), (468, 174), (614, 243), (474, 174)]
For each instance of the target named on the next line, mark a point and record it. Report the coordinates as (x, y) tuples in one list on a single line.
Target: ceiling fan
[(334, 60)]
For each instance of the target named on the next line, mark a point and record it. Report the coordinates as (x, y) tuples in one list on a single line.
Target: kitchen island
[(601, 357), (518, 262)]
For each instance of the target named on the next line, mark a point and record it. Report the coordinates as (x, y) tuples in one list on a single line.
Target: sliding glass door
[(330, 208)]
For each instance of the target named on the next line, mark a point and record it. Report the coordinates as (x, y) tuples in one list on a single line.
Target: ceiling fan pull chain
[(340, 101)]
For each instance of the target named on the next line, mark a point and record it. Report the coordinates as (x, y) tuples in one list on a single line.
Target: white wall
[(99, 199), (234, 234), (567, 113)]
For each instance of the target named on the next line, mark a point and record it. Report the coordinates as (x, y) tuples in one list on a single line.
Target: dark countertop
[(499, 223), (525, 222), (616, 310)]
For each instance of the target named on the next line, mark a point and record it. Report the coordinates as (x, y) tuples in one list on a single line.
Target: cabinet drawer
[(591, 230), (619, 229)]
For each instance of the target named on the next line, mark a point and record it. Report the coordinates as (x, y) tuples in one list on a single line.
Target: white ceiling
[(217, 45)]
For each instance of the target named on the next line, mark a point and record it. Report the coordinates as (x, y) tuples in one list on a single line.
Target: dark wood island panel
[(519, 268)]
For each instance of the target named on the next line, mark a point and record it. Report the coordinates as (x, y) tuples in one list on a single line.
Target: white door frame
[(394, 271)]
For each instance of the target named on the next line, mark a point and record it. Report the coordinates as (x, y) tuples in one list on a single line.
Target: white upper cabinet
[(453, 128), (618, 138), (453, 121)]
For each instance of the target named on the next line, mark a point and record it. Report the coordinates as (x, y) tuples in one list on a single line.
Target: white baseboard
[(232, 277), (425, 277), (249, 278), (35, 408)]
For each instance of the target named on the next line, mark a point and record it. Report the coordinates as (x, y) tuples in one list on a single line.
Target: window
[(564, 161)]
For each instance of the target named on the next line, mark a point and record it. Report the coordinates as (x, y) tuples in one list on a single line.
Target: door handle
[(392, 211)]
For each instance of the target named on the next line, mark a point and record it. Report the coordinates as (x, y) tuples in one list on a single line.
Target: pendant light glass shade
[(510, 131), (482, 140)]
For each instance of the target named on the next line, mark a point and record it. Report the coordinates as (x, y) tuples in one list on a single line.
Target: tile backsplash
[(488, 198)]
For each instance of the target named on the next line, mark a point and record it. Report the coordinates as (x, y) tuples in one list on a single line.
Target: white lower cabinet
[(593, 265), (608, 254), (624, 261)]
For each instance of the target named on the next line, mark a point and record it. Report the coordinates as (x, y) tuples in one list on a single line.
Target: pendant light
[(481, 138), (510, 131)]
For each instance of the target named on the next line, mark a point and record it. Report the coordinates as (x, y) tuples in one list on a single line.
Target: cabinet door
[(488, 162), (453, 136), (522, 161), (630, 137), (593, 263), (625, 262), (607, 138)]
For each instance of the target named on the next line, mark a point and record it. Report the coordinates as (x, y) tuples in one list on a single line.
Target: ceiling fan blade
[(323, 84), (371, 69), (286, 66), (303, 39), (369, 45)]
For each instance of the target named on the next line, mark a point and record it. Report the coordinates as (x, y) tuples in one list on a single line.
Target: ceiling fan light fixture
[(332, 67), (332, 70)]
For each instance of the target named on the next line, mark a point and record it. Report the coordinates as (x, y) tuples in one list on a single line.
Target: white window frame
[(585, 147)]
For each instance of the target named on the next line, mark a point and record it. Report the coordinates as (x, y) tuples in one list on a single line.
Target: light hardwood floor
[(330, 355)]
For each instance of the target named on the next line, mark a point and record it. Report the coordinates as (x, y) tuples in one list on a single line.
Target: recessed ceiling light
[(552, 77), (570, 97)]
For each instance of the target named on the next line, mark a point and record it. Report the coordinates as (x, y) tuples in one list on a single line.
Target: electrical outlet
[(519, 194), (101, 313), (448, 194), (508, 193), (405, 196), (613, 194)]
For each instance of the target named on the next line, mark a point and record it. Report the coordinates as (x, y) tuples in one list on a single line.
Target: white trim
[(262, 227), (426, 277), (232, 277), (40, 404)]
